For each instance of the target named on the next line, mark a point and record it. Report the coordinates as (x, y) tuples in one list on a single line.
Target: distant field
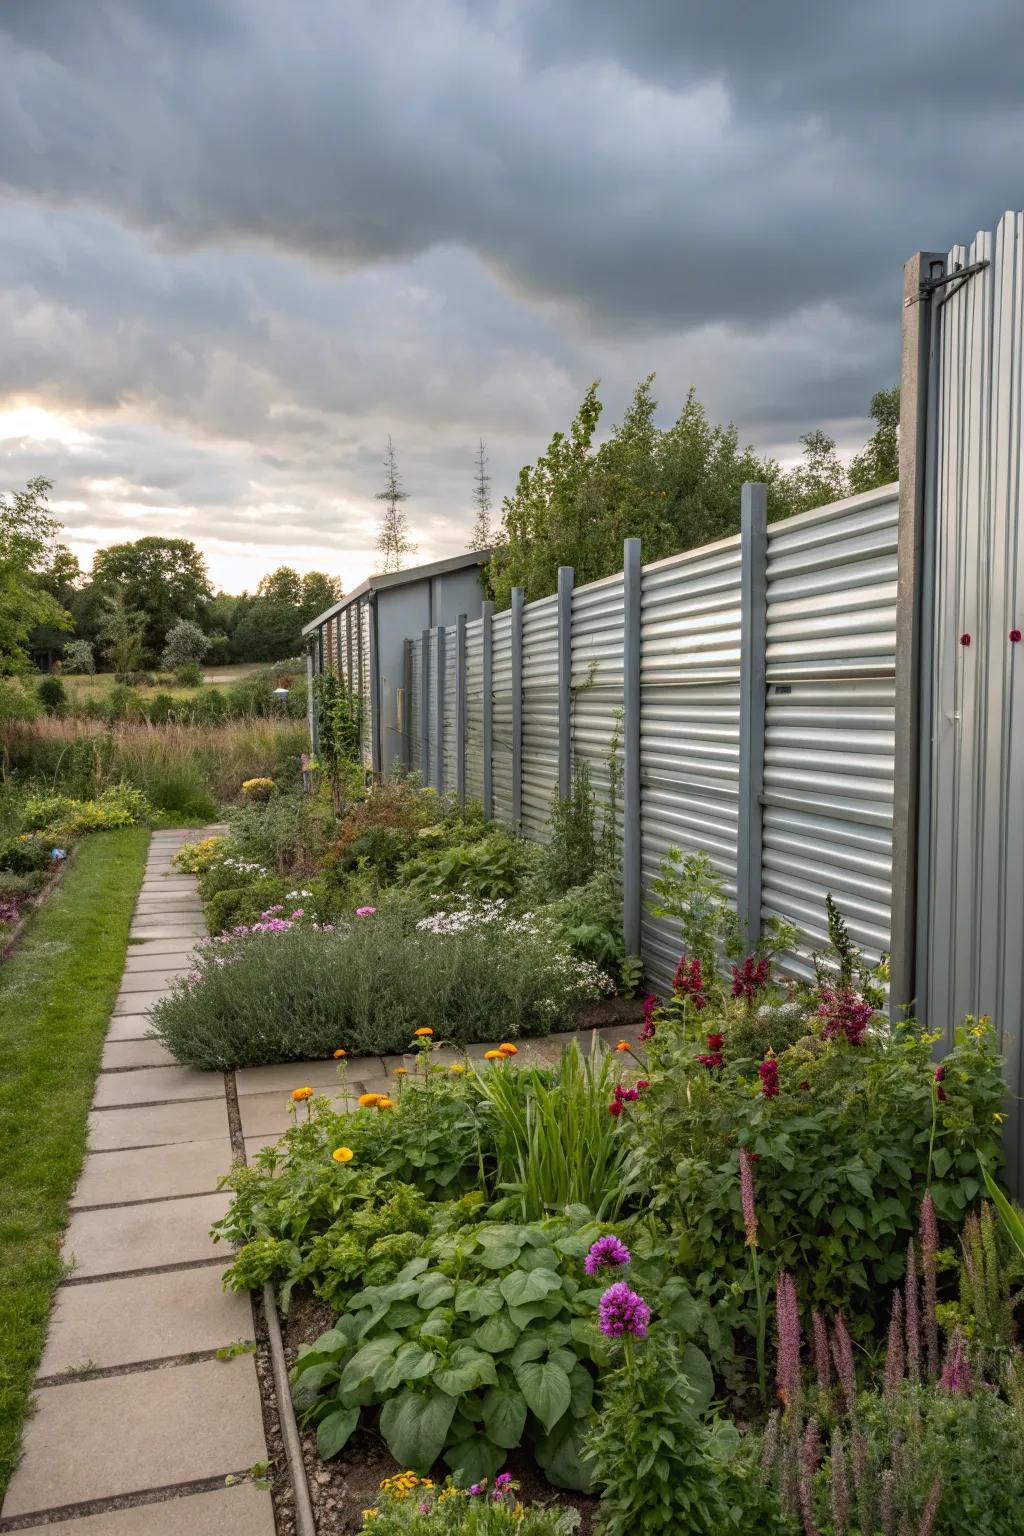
[(100, 683)]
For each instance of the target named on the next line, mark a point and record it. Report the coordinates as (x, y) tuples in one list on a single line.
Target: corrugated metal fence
[(827, 653)]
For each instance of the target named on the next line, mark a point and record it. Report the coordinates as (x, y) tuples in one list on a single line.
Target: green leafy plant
[(242, 903), (570, 855), (339, 717), (491, 868), (1009, 1214), (53, 696)]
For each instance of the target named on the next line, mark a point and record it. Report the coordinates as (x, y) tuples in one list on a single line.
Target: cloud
[(243, 243)]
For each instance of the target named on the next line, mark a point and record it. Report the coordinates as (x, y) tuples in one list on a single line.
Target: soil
[(341, 1489), (608, 1011)]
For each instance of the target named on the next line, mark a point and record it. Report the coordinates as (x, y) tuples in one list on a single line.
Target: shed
[(363, 637)]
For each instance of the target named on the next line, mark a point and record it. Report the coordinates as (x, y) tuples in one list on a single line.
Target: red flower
[(769, 1074), (615, 1108), (648, 1030), (940, 1092), (642, 1083), (845, 1013), (1015, 635), (715, 1042), (750, 977), (711, 1061), (688, 982)]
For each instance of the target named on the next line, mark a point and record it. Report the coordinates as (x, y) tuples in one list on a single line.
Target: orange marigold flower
[(400, 1072), (384, 1102), (623, 1045), (369, 1100), (339, 1054), (302, 1093), (508, 1049), (494, 1055), (422, 1034)]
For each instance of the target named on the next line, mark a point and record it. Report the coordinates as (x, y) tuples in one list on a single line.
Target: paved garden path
[(137, 1423)]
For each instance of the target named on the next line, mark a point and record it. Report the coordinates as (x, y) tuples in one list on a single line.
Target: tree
[(27, 546), (186, 646), (393, 538), (482, 536), (879, 463), (319, 592), (282, 586), (122, 632), (819, 478), (78, 657), (163, 579)]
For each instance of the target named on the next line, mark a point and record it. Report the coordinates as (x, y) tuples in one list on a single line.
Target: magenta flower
[(940, 1092), (688, 982), (607, 1253), (712, 1061), (615, 1107), (768, 1072), (956, 1377), (747, 1197), (622, 1311), (787, 1319), (844, 1013), (366, 911), (650, 1004), (750, 977)]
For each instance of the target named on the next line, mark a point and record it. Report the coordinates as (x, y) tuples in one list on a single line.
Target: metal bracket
[(958, 275)]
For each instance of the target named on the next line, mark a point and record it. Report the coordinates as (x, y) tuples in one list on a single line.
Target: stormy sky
[(241, 241)]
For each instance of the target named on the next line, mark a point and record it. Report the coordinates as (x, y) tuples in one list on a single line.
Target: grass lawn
[(56, 994), (86, 686)]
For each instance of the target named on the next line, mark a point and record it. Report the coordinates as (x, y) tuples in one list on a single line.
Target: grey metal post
[(460, 708), (369, 673), (349, 650), (439, 744), (566, 579), (407, 705), (753, 689), (425, 706), (914, 376), (631, 846), (487, 669), (517, 707)]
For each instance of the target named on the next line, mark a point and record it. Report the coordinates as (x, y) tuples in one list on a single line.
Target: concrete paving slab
[(120, 1238), (125, 1434), (156, 1085), (129, 1026), (136, 1002), (161, 930), (157, 1125), (174, 957), (243, 1510), (143, 1317), (118, 1054), (254, 1144), (150, 981), (185, 1168), (271, 1113), (154, 948), (321, 1075)]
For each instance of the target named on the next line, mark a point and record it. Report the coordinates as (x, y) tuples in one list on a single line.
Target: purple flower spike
[(606, 1253), (623, 1311)]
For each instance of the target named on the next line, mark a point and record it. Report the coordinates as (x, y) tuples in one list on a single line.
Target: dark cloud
[(243, 241)]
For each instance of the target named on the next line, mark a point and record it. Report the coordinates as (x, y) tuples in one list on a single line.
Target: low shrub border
[(56, 994), (12, 939)]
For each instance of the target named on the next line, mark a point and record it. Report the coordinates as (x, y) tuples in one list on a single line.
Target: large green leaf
[(521, 1286), (500, 1246), (697, 1370), (415, 1426), (479, 1300), (505, 1416), (559, 1455), (434, 1289), (546, 1389), (582, 1384), (1008, 1214), (474, 1460), (467, 1369), (365, 1361), (333, 1431), (497, 1334), (410, 1364)]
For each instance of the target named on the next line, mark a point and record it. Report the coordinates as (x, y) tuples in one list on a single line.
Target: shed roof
[(399, 579)]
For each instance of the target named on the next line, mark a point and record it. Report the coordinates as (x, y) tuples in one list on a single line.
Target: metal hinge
[(958, 275)]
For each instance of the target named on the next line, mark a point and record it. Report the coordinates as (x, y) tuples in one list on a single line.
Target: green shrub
[(288, 832), (570, 855), (243, 904), (491, 868), (163, 707), (53, 696), (26, 854), (229, 873), (190, 675), (588, 920), (16, 702), (297, 993), (181, 792)]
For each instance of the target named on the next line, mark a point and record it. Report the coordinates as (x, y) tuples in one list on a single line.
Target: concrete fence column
[(460, 708), (631, 845), (439, 701), (753, 689), (517, 707), (311, 709), (566, 579), (487, 668), (425, 706)]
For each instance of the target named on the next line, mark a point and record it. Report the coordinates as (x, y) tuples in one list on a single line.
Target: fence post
[(311, 709), (566, 579), (487, 670), (915, 372), (439, 744), (425, 706), (407, 705), (460, 708), (517, 707), (631, 847), (753, 687)]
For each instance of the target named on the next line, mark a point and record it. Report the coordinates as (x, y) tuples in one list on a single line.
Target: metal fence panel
[(475, 709), (414, 710), (430, 766), (597, 677), (540, 715), (502, 682), (450, 745), (689, 724), (365, 682), (829, 736)]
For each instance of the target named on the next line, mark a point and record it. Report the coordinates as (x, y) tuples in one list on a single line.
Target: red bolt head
[(1015, 635), (965, 639)]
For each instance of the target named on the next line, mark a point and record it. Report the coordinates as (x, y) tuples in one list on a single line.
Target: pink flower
[(622, 1311), (747, 1198), (366, 911), (607, 1253), (787, 1320), (956, 1377)]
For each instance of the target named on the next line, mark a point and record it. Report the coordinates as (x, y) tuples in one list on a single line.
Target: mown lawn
[(56, 993)]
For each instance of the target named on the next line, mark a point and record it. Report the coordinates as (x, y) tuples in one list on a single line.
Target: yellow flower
[(508, 1049), (369, 1514), (494, 1055), (998, 1118), (383, 1102), (301, 1093), (339, 1054), (401, 1072), (369, 1100), (424, 1033), (457, 1066), (343, 1154)]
